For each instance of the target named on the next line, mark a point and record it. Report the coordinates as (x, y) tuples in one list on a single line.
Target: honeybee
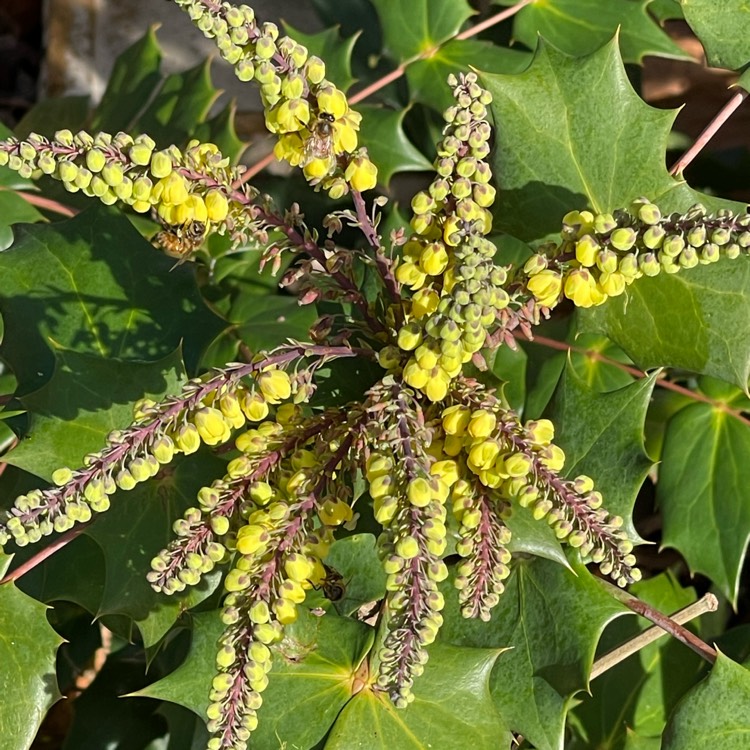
[(181, 241), (320, 143), (332, 585)]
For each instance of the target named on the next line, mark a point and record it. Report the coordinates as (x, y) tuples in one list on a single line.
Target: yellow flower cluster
[(316, 128)]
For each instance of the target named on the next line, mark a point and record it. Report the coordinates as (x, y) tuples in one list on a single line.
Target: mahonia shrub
[(423, 447)]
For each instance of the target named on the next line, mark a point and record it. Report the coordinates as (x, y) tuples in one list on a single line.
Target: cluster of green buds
[(601, 255), (448, 261), (207, 411), (316, 129), (193, 187), (278, 535)]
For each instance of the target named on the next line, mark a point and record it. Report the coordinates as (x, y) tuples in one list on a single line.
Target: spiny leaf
[(310, 682), (578, 27), (723, 29), (550, 619), (602, 436), (86, 398), (634, 698), (703, 492), (383, 134), (574, 134), (452, 708), (93, 285), (220, 131), (716, 708), (427, 77), (411, 27), (330, 47), (27, 666), (133, 79)]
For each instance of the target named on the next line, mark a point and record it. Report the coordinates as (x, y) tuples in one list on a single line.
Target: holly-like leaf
[(134, 530), (183, 100), (220, 131), (452, 708), (86, 398), (330, 47), (587, 359), (697, 320), (427, 77), (574, 134), (531, 537), (717, 707), (383, 134), (602, 436), (703, 492), (665, 10), (310, 682), (93, 285), (413, 27), (723, 29), (550, 619), (27, 666), (578, 27), (131, 84), (49, 115), (633, 699)]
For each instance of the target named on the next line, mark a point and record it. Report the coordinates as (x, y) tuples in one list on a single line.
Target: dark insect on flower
[(320, 143), (333, 585), (181, 241)]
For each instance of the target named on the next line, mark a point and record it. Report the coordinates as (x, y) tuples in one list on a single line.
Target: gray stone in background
[(84, 37)]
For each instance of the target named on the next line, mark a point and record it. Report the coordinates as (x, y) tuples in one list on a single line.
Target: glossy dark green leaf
[(703, 492), (14, 210), (723, 29), (632, 700), (49, 115), (588, 359), (602, 436), (412, 27), (452, 708), (134, 530), (696, 321), (531, 537), (428, 77), (665, 10), (85, 399), (574, 134), (183, 100), (383, 134), (716, 708), (578, 27), (131, 84), (550, 618), (220, 131), (332, 49), (310, 682), (92, 284), (27, 666)]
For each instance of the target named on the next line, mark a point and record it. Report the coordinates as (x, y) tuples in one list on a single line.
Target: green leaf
[(92, 284), (723, 29), (310, 682), (383, 134), (85, 399), (134, 530), (602, 436), (49, 115), (427, 77), (634, 698), (703, 492), (14, 210), (452, 708), (590, 364), (574, 134), (414, 27), (220, 131), (332, 49), (665, 10), (27, 666), (182, 101), (578, 27), (550, 619), (131, 84), (697, 320), (716, 708), (531, 537)]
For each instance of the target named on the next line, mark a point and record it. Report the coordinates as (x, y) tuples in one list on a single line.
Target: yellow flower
[(546, 287), (290, 148), (581, 288), (361, 173)]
